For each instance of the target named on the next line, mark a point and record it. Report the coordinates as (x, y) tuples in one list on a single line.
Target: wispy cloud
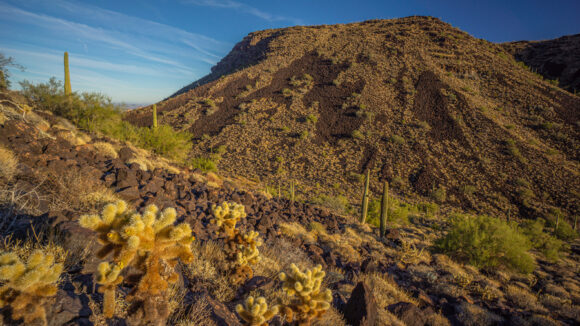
[(242, 7), (110, 49)]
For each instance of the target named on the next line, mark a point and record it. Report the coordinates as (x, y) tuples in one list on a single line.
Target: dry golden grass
[(106, 149), (523, 298), (208, 269), (8, 163), (386, 291), (437, 320), (199, 315), (473, 315), (295, 230), (143, 163)]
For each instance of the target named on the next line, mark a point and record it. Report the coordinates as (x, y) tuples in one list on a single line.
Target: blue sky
[(143, 51)]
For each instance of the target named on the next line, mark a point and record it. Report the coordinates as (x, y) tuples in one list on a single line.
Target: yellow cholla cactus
[(227, 215), (27, 286), (311, 302), (109, 278), (256, 312), (241, 249), (148, 241)]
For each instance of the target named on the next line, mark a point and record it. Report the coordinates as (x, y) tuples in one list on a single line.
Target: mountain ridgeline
[(441, 115)]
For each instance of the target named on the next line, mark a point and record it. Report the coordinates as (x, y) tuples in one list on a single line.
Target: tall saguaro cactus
[(154, 116), (365, 200), (384, 208), (67, 87)]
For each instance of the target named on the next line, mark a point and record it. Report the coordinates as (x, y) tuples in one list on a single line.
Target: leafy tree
[(6, 62)]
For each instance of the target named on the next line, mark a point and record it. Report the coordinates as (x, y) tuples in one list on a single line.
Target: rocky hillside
[(52, 173), (441, 115), (557, 59)]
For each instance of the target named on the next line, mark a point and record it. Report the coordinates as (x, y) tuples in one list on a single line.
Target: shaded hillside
[(439, 114), (557, 59)]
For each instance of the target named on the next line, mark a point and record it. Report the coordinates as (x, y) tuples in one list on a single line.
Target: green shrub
[(398, 212), (166, 142), (487, 242), (311, 118), (397, 139), (439, 194), (428, 209), (357, 134), (203, 163), (338, 203), (548, 245), (94, 112)]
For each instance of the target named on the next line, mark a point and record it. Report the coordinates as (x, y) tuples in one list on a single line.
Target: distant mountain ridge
[(554, 59)]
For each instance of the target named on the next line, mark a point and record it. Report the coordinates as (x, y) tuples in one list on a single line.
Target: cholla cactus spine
[(256, 312), (27, 286)]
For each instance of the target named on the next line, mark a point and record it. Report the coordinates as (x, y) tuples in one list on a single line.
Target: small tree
[(6, 62)]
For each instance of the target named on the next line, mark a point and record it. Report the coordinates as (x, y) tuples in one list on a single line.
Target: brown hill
[(440, 114), (557, 59)]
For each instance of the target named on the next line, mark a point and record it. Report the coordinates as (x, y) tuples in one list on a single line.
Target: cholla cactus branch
[(256, 312), (241, 249), (27, 286), (311, 301), (150, 242)]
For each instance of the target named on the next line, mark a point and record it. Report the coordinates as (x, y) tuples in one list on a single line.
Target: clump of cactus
[(241, 249), (28, 285), (309, 301), (152, 244), (256, 312)]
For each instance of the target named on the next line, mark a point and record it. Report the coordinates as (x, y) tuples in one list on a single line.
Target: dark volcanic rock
[(408, 313), (361, 308)]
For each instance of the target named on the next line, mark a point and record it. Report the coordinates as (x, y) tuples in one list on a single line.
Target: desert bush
[(95, 112), (548, 245), (338, 203), (8, 163), (398, 212), (166, 142), (397, 139), (203, 163), (439, 194), (487, 242)]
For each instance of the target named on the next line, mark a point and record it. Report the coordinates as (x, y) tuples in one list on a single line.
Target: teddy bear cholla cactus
[(256, 312), (27, 286), (151, 243), (241, 249), (310, 301)]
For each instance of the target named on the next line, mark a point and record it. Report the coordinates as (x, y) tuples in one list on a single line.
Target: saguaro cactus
[(67, 87), (155, 116), (384, 208), (365, 200)]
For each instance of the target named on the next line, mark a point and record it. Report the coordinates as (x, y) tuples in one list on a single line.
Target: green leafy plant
[(487, 242)]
